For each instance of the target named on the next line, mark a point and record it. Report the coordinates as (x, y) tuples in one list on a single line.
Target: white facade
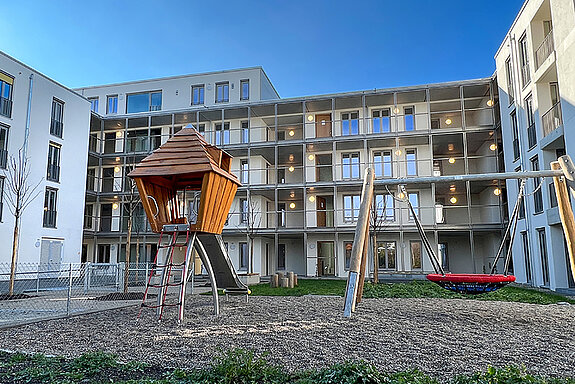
[(536, 76), (60, 240)]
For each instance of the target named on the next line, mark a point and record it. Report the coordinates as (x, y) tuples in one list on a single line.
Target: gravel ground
[(439, 337)]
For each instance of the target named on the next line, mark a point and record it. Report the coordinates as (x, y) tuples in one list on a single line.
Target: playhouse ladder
[(178, 236)]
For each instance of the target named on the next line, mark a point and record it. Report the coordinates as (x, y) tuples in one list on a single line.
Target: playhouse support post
[(565, 209)]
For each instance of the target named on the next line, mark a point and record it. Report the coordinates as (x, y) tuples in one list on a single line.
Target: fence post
[(38, 279), (69, 291)]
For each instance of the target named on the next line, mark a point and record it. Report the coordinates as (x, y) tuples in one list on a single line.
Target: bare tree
[(252, 219), (131, 204), (20, 195), (377, 221)]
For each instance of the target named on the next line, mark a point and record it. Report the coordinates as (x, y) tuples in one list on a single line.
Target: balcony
[(5, 107), (545, 49), (552, 119), (56, 128)]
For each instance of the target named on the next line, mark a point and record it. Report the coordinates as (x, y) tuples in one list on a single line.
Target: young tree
[(376, 223), (20, 195), (130, 206)]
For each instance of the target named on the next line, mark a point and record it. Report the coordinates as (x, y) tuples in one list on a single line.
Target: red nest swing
[(473, 283)]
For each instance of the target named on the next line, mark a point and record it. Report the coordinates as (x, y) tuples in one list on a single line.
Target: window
[(6, 84), (245, 90), (50, 198), (527, 256), (112, 104), (524, 60), (382, 164), (348, 246), (245, 131), (281, 256), (509, 73), (281, 214), (386, 255), (57, 121), (350, 162), (384, 206), (144, 102), (531, 132), (201, 128), (521, 213), (244, 211), (411, 162), (414, 200), (3, 145), (515, 130), (94, 102), (415, 247), (409, 116), (244, 255), (244, 172), (88, 214), (350, 123), (53, 172), (351, 208), (198, 94), (222, 92), (1, 197), (543, 254), (222, 135), (380, 120), (537, 194)]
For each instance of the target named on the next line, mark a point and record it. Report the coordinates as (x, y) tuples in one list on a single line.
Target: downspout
[(28, 113)]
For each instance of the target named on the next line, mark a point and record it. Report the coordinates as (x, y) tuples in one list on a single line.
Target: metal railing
[(5, 107), (545, 49), (552, 119)]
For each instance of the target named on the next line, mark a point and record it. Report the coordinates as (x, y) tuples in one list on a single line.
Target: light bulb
[(116, 169), (452, 188), (398, 152), (117, 159), (291, 168), (291, 133), (448, 121), (451, 160), (401, 195), (497, 191), (292, 205), (309, 117), (291, 157), (490, 103), (312, 198), (493, 147), (453, 200), (115, 206), (396, 110), (311, 157), (118, 133)]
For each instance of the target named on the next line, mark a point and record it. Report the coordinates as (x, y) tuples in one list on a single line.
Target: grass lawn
[(232, 367), (413, 289)]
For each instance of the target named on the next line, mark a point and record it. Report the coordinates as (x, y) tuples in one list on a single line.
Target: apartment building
[(51, 123), (301, 162), (536, 74)]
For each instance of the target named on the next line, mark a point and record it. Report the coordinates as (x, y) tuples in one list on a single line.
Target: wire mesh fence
[(44, 291)]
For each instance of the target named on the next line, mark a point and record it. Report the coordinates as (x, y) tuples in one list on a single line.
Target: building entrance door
[(323, 125), (321, 207), (325, 258)]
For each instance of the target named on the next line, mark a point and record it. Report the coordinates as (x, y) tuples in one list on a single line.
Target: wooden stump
[(295, 279), (291, 279), (274, 282), (280, 276), (284, 283)]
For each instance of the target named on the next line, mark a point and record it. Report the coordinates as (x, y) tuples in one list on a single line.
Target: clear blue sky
[(305, 46)]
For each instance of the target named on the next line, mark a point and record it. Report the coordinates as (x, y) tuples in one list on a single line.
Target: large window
[(245, 90), (414, 200), (543, 254), (6, 84), (537, 194), (3, 145), (112, 104), (50, 199), (222, 133), (384, 206), (386, 255), (57, 121), (244, 211), (350, 123), (382, 164), (222, 92), (515, 131), (198, 94), (416, 262), (380, 121), (245, 131), (351, 208), (244, 256), (94, 103), (53, 171), (281, 256), (144, 102), (509, 73), (531, 132), (409, 116), (524, 60), (527, 256), (350, 163), (411, 162), (88, 216), (244, 172)]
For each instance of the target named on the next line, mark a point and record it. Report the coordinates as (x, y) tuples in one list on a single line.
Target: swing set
[(563, 173)]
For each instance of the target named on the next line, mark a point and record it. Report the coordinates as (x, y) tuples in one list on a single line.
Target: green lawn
[(413, 289), (235, 366)]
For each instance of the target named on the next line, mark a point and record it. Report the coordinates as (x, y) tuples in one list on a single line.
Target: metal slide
[(225, 274)]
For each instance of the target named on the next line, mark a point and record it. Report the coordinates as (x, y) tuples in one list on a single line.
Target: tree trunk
[(128, 249), (138, 254), (14, 256), (375, 260)]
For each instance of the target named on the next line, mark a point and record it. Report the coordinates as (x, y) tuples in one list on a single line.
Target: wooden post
[(274, 281), (361, 231), (284, 283), (291, 279), (361, 281), (565, 210), (295, 279)]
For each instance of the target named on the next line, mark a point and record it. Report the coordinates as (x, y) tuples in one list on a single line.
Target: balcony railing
[(552, 119), (525, 74), (516, 151), (56, 128), (3, 158), (544, 50), (532, 136), (5, 107)]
